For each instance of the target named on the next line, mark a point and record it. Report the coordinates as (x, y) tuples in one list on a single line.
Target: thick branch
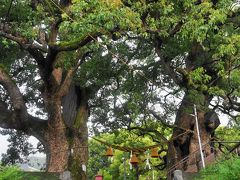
[(73, 45), (37, 127), (8, 121), (23, 42), (54, 31), (18, 119), (64, 88), (38, 56), (13, 91), (32, 125), (65, 85)]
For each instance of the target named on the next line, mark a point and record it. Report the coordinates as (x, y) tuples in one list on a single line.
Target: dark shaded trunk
[(187, 145), (75, 114), (79, 156), (137, 172)]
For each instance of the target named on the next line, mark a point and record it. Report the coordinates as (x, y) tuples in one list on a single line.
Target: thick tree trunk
[(67, 133), (79, 157), (57, 157), (187, 144), (79, 131), (56, 136), (61, 133)]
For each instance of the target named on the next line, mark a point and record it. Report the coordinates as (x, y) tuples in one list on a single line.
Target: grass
[(14, 173)]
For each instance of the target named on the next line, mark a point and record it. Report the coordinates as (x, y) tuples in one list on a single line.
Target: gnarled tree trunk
[(67, 108), (56, 137), (67, 132), (185, 140), (64, 134)]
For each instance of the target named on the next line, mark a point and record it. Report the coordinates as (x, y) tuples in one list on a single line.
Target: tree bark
[(76, 117), (67, 133), (79, 157), (187, 144), (57, 159)]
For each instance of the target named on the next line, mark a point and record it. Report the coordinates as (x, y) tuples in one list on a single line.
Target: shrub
[(10, 172), (222, 170)]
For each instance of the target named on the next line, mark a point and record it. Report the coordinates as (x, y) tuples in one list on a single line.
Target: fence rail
[(185, 159)]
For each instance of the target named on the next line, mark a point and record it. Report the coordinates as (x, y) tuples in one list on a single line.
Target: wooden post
[(198, 134)]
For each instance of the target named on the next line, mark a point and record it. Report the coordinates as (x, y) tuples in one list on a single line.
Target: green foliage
[(98, 71), (100, 164), (8, 173), (222, 170), (196, 26), (228, 134), (21, 17), (199, 76), (90, 17), (9, 52), (235, 74)]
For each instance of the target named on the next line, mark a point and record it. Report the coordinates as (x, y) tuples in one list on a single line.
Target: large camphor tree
[(197, 44), (50, 59)]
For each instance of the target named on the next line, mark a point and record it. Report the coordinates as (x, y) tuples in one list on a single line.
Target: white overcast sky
[(4, 145)]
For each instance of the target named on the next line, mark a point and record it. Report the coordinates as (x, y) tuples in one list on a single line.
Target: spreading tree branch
[(22, 41), (19, 117), (13, 91), (75, 44), (32, 125), (147, 130)]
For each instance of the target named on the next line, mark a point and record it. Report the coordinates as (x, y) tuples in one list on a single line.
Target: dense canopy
[(120, 64)]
